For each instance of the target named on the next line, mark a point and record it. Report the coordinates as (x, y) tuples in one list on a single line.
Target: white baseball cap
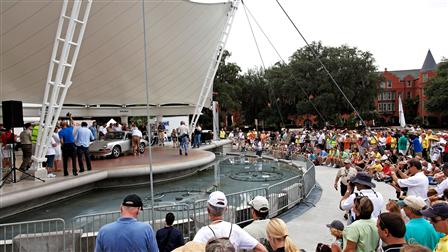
[(260, 204), (413, 201), (217, 199)]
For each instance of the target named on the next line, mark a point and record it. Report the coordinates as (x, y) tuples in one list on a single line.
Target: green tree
[(436, 90), (227, 86), (353, 69)]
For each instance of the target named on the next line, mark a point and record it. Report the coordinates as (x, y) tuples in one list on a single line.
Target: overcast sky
[(397, 32)]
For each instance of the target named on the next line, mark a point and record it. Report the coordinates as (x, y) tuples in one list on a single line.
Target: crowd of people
[(412, 161)]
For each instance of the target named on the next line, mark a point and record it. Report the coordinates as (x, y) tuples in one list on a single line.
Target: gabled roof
[(429, 64), (401, 74)]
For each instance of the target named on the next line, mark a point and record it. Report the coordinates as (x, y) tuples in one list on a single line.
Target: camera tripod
[(13, 171)]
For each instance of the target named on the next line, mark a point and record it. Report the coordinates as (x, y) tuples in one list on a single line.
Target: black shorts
[(343, 189)]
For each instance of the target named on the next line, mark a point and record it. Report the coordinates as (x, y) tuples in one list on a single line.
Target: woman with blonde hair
[(279, 240)]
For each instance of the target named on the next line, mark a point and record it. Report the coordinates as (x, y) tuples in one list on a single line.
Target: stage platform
[(164, 160)]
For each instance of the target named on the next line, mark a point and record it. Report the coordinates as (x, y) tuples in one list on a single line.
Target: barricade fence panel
[(42, 235), (284, 195), (309, 179)]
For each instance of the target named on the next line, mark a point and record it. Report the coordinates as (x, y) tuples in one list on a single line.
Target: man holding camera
[(364, 185), (344, 173), (415, 180)]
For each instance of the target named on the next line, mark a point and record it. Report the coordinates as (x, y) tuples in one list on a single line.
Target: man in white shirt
[(363, 183), (444, 184), (417, 182), (183, 134), (217, 205)]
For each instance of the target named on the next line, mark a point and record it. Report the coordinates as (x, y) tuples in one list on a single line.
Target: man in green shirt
[(362, 235), (418, 230), (402, 144)]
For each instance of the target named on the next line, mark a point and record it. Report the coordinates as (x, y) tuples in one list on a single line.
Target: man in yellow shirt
[(438, 215), (425, 145)]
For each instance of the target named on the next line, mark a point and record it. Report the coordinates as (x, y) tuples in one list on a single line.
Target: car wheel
[(141, 148), (116, 151)]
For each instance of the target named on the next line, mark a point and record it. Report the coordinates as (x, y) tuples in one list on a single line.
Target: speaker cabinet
[(12, 114)]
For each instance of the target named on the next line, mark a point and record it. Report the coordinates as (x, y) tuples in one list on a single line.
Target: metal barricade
[(40, 236), (284, 195), (87, 226), (309, 179), (183, 221)]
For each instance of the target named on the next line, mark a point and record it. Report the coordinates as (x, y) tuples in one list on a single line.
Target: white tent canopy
[(182, 43)]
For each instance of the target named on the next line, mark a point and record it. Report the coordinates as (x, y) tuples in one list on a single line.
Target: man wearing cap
[(337, 228), (260, 212), (391, 229), (417, 182), (217, 205), (438, 215), (127, 234), (418, 230), (363, 183), (344, 173)]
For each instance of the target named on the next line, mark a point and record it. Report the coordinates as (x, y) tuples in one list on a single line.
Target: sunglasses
[(434, 219)]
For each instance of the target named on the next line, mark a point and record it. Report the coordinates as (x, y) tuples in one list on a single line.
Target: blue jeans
[(183, 144), (197, 140)]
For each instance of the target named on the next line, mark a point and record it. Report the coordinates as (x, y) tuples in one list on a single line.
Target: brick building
[(409, 84)]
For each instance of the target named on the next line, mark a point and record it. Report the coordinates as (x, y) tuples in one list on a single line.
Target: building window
[(409, 83), (393, 95), (389, 84), (425, 77), (379, 96), (382, 85), (379, 107)]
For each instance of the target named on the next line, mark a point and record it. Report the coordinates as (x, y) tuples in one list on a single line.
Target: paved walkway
[(306, 222)]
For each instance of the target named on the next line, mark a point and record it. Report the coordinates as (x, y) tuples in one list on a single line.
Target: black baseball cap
[(133, 200)]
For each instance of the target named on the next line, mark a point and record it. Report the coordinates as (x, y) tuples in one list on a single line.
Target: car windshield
[(114, 135)]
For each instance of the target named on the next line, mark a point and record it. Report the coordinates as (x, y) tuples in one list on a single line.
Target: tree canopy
[(299, 87), (436, 90)]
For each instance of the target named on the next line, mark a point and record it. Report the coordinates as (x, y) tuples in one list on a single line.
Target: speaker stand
[(13, 171)]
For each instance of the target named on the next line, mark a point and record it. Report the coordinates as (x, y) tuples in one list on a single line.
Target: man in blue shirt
[(82, 140), (68, 147), (127, 233)]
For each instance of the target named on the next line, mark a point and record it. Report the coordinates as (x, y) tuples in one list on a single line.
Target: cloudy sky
[(397, 32)]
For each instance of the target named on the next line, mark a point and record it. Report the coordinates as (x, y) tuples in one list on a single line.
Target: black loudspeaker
[(12, 114)]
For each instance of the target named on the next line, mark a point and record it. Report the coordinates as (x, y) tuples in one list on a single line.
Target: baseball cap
[(260, 204), (217, 199), (413, 202), (336, 225), (133, 200), (438, 209)]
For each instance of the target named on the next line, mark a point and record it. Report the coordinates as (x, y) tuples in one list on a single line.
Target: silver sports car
[(114, 144)]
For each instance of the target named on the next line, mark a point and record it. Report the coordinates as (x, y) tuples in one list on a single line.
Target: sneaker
[(51, 175)]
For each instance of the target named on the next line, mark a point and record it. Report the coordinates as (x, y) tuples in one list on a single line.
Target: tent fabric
[(182, 42)]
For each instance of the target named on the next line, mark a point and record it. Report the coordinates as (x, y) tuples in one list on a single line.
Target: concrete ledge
[(60, 184)]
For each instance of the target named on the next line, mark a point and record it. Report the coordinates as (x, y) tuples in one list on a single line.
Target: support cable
[(321, 63), (148, 125), (271, 91), (284, 62)]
